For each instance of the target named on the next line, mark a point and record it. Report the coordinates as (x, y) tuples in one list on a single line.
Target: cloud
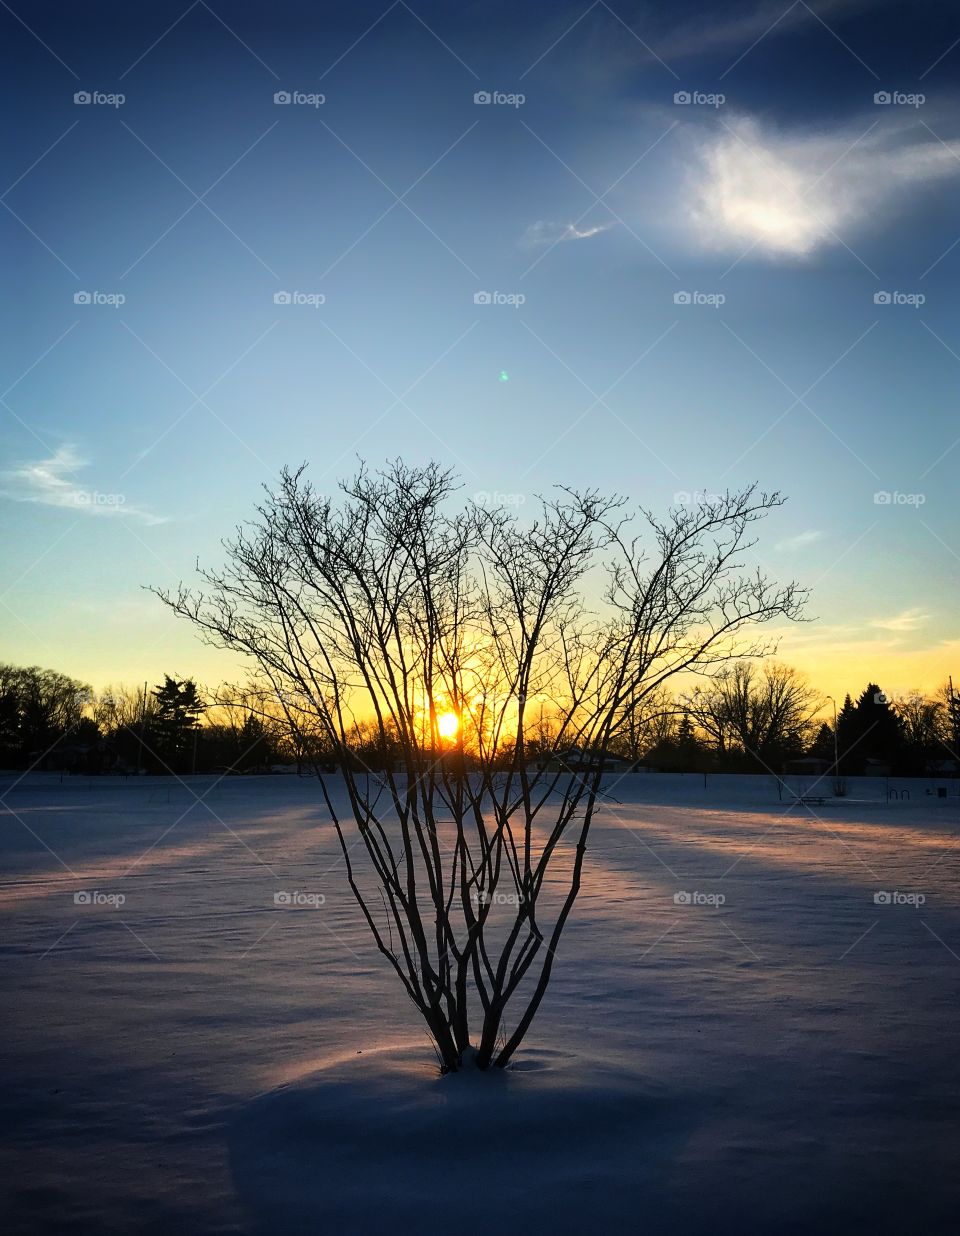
[(765, 21), (800, 541), (907, 620), (790, 194), (544, 232), (52, 482)]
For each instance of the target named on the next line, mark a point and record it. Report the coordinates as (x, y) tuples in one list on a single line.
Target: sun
[(447, 724)]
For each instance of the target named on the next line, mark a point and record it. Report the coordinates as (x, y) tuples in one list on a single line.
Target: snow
[(201, 1059)]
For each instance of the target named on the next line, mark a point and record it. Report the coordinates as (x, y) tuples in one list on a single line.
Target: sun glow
[(447, 724)]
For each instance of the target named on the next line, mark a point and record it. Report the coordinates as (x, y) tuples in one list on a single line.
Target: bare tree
[(453, 632), (122, 707), (648, 723), (767, 713), (924, 720), (949, 701)]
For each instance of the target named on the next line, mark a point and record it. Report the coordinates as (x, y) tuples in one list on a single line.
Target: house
[(580, 760)]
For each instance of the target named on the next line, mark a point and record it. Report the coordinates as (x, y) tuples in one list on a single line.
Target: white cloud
[(809, 537), (545, 232), (789, 194), (52, 482), (768, 20), (906, 620)]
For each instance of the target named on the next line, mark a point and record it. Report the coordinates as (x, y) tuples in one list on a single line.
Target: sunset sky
[(759, 283)]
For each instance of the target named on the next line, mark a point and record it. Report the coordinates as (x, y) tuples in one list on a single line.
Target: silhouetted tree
[(392, 606), (870, 730), (39, 708), (766, 713), (822, 746), (175, 720)]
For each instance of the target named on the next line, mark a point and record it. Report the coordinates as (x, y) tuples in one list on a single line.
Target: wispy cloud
[(52, 482), (790, 194), (790, 543), (545, 232), (740, 30), (906, 620)]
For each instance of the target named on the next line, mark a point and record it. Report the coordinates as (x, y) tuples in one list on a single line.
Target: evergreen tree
[(847, 737), (254, 747), (177, 715), (822, 747), (879, 730)]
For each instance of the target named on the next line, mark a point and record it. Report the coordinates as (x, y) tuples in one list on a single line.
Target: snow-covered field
[(200, 1059)]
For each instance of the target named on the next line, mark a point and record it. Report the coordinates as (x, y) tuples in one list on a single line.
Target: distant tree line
[(766, 718), (52, 722), (751, 717)]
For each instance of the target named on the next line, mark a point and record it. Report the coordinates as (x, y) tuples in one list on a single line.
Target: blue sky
[(780, 201)]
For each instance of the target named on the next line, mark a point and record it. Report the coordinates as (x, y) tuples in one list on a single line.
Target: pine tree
[(847, 737), (822, 746), (178, 712), (254, 747)]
